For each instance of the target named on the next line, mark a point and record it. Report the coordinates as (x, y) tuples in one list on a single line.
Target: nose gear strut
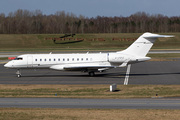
[(18, 72)]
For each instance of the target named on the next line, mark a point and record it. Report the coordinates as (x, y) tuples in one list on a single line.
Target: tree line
[(34, 22)]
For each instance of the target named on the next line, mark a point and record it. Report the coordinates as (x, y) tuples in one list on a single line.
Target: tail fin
[(143, 44)]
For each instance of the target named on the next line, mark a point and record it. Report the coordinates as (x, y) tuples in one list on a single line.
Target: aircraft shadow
[(153, 74), (108, 75)]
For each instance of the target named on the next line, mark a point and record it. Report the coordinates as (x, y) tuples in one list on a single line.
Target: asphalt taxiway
[(90, 103), (151, 72)]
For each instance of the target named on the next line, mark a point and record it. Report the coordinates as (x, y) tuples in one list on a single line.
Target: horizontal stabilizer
[(150, 35)]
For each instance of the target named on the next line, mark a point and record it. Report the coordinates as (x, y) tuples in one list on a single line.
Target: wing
[(87, 68), (80, 68)]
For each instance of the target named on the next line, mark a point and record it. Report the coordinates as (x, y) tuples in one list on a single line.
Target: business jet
[(88, 62)]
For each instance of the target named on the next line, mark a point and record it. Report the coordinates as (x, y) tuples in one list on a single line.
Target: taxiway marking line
[(127, 75)]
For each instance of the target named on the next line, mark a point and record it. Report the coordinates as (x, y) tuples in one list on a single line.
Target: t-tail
[(143, 44)]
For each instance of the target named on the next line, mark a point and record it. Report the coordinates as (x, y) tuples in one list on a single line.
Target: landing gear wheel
[(19, 75), (91, 74)]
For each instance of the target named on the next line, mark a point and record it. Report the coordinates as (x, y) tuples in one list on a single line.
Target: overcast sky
[(93, 8)]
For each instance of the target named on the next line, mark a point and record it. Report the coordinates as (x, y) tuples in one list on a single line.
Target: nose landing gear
[(18, 72)]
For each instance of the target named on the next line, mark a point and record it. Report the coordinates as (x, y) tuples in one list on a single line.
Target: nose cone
[(8, 65)]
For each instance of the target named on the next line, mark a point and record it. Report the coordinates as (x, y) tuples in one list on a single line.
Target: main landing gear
[(91, 73), (18, 72)]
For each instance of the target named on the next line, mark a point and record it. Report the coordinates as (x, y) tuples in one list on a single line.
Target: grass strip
[(87, 114), (164, 55), (89, 91), (36, 42), (3, 58)]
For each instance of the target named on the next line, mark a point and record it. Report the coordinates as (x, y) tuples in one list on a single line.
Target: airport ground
[(154, 73), (145, 73)]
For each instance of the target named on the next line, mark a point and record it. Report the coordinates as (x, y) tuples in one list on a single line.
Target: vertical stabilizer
[(143, 44)]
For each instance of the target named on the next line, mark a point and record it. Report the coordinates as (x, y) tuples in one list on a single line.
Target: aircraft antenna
[(87, 52)]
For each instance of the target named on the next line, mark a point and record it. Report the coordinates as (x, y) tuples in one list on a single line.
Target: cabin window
[(59, 59), (49, 59), (86, 59), (54, 59), (44, 59), (63, 59), (40, 59), (81, 59), (18, 58), (35, 59), (77, 59), (68, 59), (73, 59)]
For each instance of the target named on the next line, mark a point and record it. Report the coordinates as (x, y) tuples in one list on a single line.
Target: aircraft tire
[(91, 74), (19, 76)]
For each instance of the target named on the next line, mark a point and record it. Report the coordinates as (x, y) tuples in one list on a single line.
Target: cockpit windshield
[(18, 58)]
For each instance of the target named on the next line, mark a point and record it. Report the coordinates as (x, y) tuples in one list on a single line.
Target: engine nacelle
[(120, 58)]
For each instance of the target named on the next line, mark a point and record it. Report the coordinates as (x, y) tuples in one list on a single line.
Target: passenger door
[(30, 61)]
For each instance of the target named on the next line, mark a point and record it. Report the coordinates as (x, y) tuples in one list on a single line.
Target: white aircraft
[(89, 62)]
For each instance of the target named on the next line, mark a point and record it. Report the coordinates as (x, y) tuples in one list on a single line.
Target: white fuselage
[(68, 60)]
